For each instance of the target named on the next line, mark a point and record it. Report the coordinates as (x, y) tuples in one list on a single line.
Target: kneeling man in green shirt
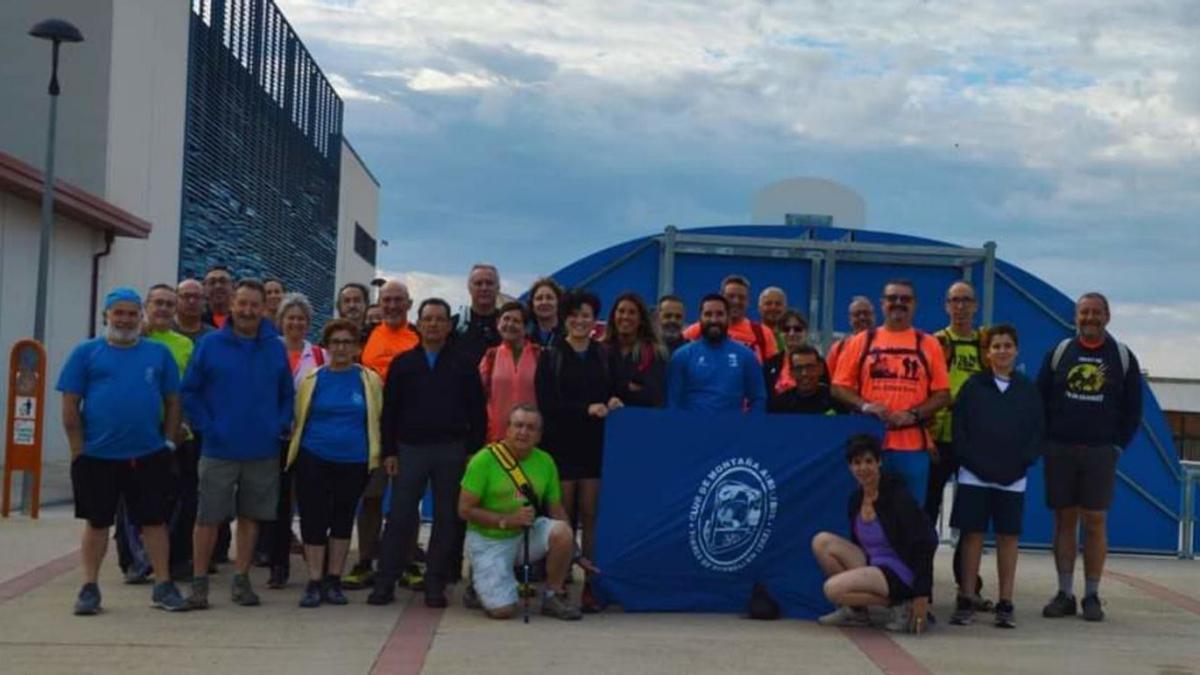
[(510, 487)]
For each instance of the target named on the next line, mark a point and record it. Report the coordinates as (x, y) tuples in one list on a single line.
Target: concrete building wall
[(358, 202), (84, 73), (145, 136), (66, 308)]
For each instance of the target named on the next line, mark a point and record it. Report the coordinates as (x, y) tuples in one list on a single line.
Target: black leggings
[(327, 493)]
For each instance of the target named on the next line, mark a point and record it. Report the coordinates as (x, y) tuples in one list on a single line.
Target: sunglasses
[(795, 329), (900, 299)]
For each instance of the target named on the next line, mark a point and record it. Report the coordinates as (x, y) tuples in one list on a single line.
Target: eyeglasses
[(343, 342), (960, 301), (795, 329), (899, 299)]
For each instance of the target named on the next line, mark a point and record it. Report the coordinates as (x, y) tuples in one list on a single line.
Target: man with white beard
[(121, 413)]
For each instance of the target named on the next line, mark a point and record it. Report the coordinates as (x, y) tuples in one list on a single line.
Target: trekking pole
[(525, 573)]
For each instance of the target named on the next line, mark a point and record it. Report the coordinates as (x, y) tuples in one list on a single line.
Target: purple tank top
[(879, 552)]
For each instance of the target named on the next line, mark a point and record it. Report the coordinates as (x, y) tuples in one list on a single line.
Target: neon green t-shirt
[(486, 479), (963, 360), (178, 344)]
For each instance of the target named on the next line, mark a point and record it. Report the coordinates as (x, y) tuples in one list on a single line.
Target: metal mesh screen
[(263, 151)]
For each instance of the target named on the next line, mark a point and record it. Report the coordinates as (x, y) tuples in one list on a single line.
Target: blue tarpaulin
[(695, 508)]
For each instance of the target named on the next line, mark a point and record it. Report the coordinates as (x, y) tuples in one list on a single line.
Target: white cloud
[(1165, 337), (348, 91)]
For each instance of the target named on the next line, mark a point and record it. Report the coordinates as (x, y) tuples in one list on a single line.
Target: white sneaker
[(846, 616)]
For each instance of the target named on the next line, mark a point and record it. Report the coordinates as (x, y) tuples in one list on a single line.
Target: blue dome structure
[(822, 268)]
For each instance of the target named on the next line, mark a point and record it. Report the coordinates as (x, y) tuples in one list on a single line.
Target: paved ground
[(1153, 627)]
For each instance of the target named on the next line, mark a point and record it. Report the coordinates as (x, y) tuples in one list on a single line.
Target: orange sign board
[(25, 413)]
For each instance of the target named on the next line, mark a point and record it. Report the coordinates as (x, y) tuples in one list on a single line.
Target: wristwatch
[(169, 444), (916, 415), (504, 523)]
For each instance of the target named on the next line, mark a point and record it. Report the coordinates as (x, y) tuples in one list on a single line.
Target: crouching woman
[(888, 560)]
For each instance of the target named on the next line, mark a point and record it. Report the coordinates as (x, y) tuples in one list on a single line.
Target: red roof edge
[(25, 181)]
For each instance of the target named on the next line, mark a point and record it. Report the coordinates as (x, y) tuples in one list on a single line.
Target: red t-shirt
[(894, 375)]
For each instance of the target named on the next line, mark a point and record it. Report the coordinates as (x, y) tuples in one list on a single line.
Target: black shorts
[(1080, 475), (898, 591), (145, 484), (977, 507)]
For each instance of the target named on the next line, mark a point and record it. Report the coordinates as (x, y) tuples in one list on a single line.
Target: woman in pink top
[(508, 369)]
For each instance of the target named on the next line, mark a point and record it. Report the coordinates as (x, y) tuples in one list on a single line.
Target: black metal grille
[(263, 152)]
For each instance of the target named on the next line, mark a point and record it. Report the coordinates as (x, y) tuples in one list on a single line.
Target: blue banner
[(696, 508)]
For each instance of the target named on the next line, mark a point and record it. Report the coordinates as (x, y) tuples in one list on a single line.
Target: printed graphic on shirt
[(966, 361), (1085, 380), (904, 370)]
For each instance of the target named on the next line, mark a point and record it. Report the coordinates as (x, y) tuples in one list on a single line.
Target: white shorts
[(492, 562)]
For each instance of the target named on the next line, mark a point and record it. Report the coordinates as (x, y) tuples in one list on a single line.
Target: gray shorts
[(492, 562), (246, 489)]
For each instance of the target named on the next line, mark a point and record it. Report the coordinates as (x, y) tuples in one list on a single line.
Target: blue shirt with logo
[(336, 428), (722, 377), (122, 390)]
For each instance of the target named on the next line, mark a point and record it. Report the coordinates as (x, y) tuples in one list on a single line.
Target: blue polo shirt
[(122, 390)]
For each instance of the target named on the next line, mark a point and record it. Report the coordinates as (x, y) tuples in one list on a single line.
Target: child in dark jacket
[(998, 426)]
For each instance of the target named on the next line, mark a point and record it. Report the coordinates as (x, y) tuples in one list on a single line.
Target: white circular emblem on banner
[(732, 514)]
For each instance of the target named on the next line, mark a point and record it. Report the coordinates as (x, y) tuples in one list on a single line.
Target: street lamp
[(57, 31)]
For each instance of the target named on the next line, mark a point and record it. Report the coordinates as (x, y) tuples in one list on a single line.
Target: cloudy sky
[(532, 133)]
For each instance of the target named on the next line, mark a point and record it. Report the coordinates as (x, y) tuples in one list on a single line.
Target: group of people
[(206, 403)]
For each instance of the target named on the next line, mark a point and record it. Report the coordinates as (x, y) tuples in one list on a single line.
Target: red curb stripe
[(1184, 602), (888, 656), (405, 651), (23, 583)]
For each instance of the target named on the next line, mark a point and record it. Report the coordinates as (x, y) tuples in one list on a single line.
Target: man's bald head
[(395, 302), (772, 303)]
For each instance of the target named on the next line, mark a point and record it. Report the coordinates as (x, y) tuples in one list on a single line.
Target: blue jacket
[(725, 377), (238, 394)]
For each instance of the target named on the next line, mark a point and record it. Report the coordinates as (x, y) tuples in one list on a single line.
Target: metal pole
[(989, 282), (39, 316), (666, 263)]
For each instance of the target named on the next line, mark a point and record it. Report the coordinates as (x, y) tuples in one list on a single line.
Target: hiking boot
[(88, 602), (331, 592), (361, 576), (199, 597), (964, 612), (1005, 615), (137, 576), (559, 606), (588, 602), (279, 577), (166, 596), (471, 598), (846, 616), (382, 594), (242, 593), (312, 595), (1059, 606), (1092, 610)]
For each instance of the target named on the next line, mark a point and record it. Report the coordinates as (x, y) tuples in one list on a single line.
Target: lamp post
[(57, 31)]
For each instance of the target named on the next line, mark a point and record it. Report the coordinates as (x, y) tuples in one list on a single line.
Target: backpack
[(1061, 348)]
